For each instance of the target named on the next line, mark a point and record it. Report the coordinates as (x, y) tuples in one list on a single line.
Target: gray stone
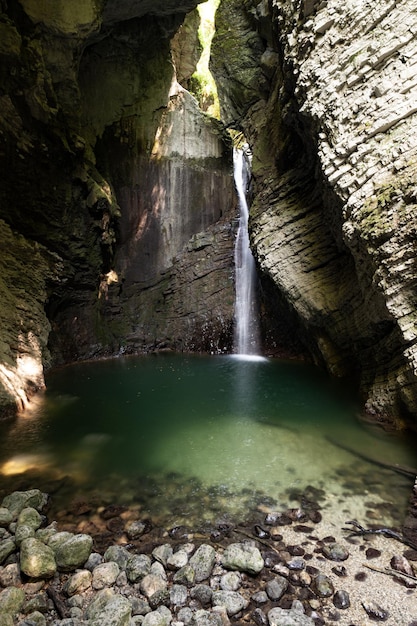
[(140, 606), (10, 575), (76, 601), (135, 529), (5, 517), (163, 553), (121, 580), (335, 552), (202, 562), (39, 602), (341, 599), (159, 598), (233, 601), (7, 619), (375, 611), (11, 600), (93, 560), (105, 575), (158, 570), (161, 617), (110, 610), (78, 582), (207, 618), (99, 602), (18, 500), (202, 593), (276, 587), (118, 554), (185, 575), (291, 617), (45, 534), (177, 560), (186, 615), (138, 566), (35, 619), (323, 586), (29, 517), (7, 547), (259, 617), (260, 597), (151, 584), (73, 552), (243, 557), (178, 595), (23, 532), (36, 559), (76, 613), (56, 539), (230, 581)]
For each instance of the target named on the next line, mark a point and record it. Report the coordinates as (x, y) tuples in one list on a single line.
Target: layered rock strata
[(326, 95)]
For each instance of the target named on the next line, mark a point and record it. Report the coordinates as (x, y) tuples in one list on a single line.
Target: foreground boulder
[(243, 557), (36, 559)]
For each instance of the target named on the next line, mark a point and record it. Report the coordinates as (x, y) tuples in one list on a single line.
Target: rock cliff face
[(326, 96), (116, 192)]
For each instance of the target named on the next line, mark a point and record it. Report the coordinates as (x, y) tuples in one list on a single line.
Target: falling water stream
[(246, 340)]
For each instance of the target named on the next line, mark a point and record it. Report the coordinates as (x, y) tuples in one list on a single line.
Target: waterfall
[(246, 336)]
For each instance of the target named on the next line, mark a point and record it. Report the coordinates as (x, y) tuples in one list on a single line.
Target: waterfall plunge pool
[(198, 439)]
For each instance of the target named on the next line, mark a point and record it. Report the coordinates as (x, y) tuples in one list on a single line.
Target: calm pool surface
[(193, 437)]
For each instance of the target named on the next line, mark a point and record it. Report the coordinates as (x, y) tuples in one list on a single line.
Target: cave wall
[(94, 182), (325, 94)]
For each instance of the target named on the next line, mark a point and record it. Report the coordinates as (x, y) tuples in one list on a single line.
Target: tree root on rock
[(395, 467), (58, 602), (390, 572), (386, 532)]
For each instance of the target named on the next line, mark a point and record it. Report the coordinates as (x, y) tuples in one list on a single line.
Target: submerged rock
[(375, 611), (341, 599), (335, 552)]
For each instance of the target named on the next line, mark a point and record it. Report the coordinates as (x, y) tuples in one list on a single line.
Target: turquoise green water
[(193, 437)]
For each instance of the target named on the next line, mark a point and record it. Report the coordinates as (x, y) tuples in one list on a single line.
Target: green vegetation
[(202, 84), (382, 213)]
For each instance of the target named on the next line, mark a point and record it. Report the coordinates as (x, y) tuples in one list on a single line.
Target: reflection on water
[(192, 435)]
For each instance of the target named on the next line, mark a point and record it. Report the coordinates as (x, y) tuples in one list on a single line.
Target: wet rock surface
[(234, 580), (325, 94), (108, 151)]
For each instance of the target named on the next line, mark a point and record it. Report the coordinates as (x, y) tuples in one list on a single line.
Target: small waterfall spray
[(246, 339)]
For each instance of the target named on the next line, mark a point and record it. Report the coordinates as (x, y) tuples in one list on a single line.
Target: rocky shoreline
[(294, 569)]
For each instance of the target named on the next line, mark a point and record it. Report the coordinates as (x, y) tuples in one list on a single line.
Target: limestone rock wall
[(84, 152), (326, 95)]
